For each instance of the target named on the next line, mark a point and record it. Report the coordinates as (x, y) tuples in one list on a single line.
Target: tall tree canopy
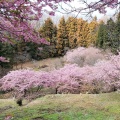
[(102, 36), (93, 28), (62, 38), (47, 29), (82, 33), (72, 29)]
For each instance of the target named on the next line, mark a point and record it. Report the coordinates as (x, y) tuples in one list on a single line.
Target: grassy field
[(65, 107)]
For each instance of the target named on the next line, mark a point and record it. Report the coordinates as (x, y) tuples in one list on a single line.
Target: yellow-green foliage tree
[(49, 32), (72, 29), (82, 33), (47, 29), (62, 37), (93, 29), (54, 35), (68, 29)]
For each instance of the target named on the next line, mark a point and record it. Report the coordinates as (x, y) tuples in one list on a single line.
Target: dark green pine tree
[(102, 36), (53, 42), (7, 50), (54, 35), (47, 29), (109, 43), (117, 42), (112, 35)]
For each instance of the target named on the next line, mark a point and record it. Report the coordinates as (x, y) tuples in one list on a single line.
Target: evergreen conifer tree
[(102, 36), (47, 29), (117, 42), (72, 29), (62, 37), (82, 33), (111, 29), (93, 29)]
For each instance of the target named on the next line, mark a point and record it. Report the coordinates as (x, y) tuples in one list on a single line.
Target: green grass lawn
[(65, 107)]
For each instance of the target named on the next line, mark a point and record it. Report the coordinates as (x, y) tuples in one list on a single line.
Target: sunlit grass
[(66, 107)]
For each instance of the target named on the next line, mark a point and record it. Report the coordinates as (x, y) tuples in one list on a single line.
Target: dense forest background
[(68, 34)]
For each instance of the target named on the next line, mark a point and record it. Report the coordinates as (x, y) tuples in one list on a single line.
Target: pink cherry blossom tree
[(84, 56), (15, 17), (105, 75), (21, 82)]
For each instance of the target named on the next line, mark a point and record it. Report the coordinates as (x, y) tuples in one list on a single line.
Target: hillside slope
[(65, 107)]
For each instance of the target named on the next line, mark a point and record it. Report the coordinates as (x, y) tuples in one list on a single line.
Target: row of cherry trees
[(104, 76)]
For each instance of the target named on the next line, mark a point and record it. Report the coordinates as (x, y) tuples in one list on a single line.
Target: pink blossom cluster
[(103, 4), (21, 80), (83, 56), (107, 73), (70, 78), (66, 78), (15, 17), (75, 55), (3, 59), (111, 3)]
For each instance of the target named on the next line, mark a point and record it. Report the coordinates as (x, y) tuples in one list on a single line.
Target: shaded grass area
[(65, 107)]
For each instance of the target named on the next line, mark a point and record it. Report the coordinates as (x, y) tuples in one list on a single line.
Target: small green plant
[(19, 101)]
